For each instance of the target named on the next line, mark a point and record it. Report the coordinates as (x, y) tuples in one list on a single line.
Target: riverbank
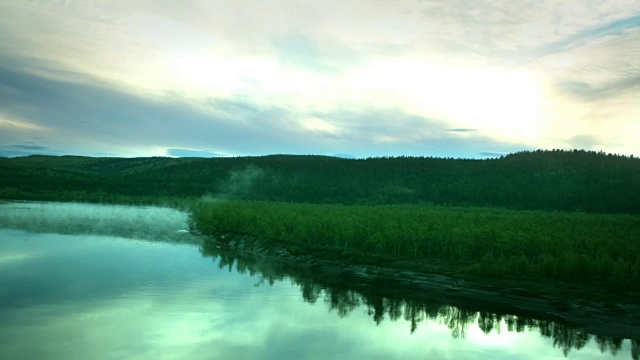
[(556, 301), (574, 247)]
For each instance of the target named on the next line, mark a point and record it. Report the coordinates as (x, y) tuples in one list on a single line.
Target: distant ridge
[(559, 180)]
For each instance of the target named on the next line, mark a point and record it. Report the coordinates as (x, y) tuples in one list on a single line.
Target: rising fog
[(140, 222)]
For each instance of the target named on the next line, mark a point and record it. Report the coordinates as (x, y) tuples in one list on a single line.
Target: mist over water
[(138, 222)]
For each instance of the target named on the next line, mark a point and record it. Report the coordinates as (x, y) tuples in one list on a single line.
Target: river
[(81, 281)]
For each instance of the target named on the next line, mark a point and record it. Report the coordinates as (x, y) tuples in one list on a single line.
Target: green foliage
[(544, 180), (494, 242)]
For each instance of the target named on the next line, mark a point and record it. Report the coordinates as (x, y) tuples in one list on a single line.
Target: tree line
[(539, 180), (492, 242)]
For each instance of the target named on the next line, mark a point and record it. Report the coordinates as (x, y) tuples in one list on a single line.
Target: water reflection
[(343, 299)]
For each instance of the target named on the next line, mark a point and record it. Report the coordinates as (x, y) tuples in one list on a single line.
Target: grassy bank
[(490, 242)]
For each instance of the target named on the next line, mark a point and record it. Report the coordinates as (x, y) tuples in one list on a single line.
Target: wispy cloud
[(587, 92), (617, 27), (461, 130), (584, 142), (30, 147), (300, 50)]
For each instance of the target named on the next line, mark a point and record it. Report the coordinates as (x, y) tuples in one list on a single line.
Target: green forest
[(566, 215), (486, 241), (539, 180)]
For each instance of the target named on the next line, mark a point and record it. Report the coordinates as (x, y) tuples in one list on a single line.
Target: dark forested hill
[(550, 180)]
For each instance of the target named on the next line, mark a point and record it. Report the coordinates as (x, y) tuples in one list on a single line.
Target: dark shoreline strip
[(594, 317)]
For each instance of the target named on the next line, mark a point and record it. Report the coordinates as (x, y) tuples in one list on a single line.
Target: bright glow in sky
[(365, 78)]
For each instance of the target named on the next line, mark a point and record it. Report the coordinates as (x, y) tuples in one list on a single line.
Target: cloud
[(591, 89), (19, 125), (461, 130), (586, 92), (596, 67), (298, 49), (24, 150), (191, 153), (589, 34), (240, 79), (380, 132), (107, 119), (585, 142), (30, 147), (98, 115)]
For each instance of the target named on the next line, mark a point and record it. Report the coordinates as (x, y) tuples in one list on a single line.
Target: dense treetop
[(549, 180)]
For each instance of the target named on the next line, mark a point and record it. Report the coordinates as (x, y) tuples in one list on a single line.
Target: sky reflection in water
[(106, 297)]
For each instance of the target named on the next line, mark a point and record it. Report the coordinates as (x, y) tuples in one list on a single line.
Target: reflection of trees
[(488, 321), (310, 291), (343, 299), (456, 319), (415, 313), (563, 337), (607, 343)]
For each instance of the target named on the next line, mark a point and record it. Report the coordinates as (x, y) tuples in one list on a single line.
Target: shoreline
[(620, 320)]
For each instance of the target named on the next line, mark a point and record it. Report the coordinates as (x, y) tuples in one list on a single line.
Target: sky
[(359, 78)]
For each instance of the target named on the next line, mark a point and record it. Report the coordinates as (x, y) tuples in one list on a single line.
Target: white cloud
[(17, 125), (316, 124)]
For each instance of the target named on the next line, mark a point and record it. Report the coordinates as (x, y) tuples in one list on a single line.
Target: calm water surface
[(115, 282)]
